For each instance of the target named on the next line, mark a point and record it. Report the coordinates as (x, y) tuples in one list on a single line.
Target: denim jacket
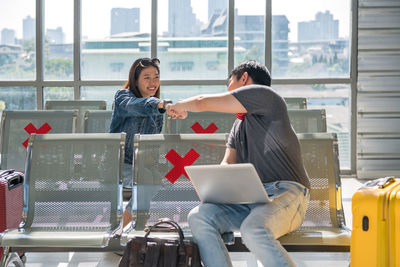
[(134, 115)]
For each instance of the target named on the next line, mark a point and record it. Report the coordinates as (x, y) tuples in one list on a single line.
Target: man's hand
[(177, 110)]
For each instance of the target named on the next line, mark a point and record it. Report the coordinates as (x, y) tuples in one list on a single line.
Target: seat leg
[(9, 258)]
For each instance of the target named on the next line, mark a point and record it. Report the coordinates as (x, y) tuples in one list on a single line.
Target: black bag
[(155, 252)]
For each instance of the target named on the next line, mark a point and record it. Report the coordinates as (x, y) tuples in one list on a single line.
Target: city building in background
[(28, 28), (189, 50), (7, 36), (216, 7), (182, 22), (323, 28), (125, 20), (280, 44), (55, 36)]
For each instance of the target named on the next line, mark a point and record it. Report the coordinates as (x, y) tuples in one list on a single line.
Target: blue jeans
[(260, 225), (128, 183)]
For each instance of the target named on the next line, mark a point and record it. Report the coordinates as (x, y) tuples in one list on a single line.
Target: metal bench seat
[(73, 194), (323, 227), (80, 105), (17, 125), (302, 120)]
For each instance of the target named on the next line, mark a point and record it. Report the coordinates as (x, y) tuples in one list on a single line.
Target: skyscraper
[(28, 28), (324, 27), (7, 36), (216, 6), (280, 44), (125, 20), (55, 36), (181, 20)]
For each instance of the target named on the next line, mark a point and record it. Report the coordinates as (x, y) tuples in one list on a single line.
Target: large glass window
[(99, 93), (193, 39), (57, 93), (334, 98), (249, 31), (114, 34), (176, 93), (309, 49), (311, 38), (58, 40), (18, 42), (17, 98)]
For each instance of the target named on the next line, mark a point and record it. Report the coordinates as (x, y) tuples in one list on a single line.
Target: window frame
[(39, 83)]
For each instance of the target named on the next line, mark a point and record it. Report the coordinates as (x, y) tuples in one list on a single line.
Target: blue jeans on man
[(260, 225)]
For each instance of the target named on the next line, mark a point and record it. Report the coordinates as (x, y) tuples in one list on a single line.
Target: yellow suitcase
[(375, 238)]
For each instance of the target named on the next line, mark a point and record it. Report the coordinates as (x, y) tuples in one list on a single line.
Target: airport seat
[(97, 121), (73, 194), (324, 225), (17, 125), (200, 122), (80, 105), (308, 120), (296, 102), (302, 120)]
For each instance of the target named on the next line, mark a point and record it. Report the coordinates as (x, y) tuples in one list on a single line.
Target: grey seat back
[(80, 105), (196, 122), (17, 125), (302, 120), (296, 102), (159, 197), (308, 120), (321, 160), (73, 182), (97, 121)]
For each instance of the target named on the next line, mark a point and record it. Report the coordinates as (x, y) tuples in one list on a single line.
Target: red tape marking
[(179, 162), (197, 128), (30, 129)]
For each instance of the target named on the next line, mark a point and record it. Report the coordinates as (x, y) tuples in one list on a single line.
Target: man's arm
[(230, 156), (224, 102)]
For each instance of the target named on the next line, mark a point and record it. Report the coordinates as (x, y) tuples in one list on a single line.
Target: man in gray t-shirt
[(261, 135), (265, 136)]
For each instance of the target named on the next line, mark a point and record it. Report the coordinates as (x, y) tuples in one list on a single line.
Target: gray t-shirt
[(266, 138)]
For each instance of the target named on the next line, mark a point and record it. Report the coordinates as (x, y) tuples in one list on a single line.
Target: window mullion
[(77, 48), (268, 34), (231, 36), (154, 10), (39, 52)]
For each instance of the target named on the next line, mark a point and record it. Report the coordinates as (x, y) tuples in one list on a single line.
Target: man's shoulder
[(255, 88)]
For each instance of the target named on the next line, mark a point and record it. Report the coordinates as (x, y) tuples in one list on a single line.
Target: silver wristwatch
[(165, 102)]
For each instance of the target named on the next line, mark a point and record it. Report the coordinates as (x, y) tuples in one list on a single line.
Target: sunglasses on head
[(147, 62)]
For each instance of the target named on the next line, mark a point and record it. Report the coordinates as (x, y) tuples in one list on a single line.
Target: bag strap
[(182, 252), (173, 224)]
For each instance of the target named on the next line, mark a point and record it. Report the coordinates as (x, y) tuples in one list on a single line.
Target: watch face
[(165, 102)]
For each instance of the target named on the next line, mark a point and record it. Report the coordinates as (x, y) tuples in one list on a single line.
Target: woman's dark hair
[(258, 72), (136, 68)]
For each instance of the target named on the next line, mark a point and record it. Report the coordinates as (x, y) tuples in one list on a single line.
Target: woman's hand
[(160, 104)]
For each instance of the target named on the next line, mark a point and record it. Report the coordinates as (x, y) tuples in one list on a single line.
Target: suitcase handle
[(6, 172), (386, 181), (381, 182), (15, 181)]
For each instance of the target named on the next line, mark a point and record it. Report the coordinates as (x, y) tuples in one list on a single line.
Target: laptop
[(227, 184)]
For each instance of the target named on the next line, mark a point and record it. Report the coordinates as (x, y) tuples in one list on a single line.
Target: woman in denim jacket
[(137, 110)]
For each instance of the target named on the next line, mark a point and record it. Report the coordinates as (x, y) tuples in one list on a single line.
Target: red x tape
[(179, 162), (197, 128), (30, 129)]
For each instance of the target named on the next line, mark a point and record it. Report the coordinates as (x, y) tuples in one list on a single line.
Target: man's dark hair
[(258, 72)]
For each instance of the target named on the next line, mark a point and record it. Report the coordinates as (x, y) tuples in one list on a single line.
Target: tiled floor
[(302, 259)]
